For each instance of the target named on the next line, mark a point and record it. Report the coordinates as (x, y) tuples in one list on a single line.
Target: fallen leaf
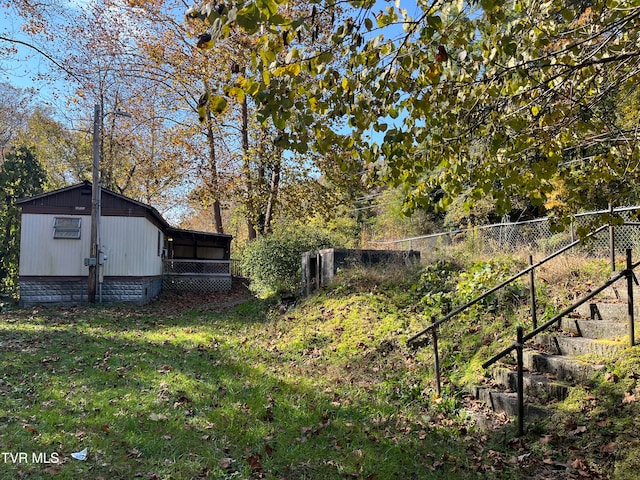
[(29, 428), (158, 417), (226, 463), (628, 398), (579, 464), (608, 448), (609, 377), (578, 430), (134, 453), (181, 401), (254, 462)]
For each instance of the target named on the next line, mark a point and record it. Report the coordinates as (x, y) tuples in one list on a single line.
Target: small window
[(64, 227)]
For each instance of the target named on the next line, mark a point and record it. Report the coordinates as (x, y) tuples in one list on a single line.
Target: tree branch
[(41, 52)]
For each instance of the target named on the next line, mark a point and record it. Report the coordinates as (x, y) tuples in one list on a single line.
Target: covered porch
[(197, 261)]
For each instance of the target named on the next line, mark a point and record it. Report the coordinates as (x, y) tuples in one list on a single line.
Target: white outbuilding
[(137, 249)]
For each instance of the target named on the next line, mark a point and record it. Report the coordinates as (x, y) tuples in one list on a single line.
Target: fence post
[(573, 232), (630, 314), (612, 241), (436, 359), (532, 290), (318, 272), (520, 386)]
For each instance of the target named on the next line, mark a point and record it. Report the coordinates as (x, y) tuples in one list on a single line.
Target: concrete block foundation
[(73, 290)]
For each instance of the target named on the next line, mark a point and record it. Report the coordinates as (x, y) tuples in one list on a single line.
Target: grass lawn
[(233, 388), (178, 391)]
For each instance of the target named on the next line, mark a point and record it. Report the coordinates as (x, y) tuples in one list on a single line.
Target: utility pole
[(92, 280), (95, 259)]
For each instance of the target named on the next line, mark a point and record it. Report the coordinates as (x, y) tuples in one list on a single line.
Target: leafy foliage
[(444, 285), (273, 262), (21, 175), (495, 98), (13, 107), (389, 220), (62, 152)]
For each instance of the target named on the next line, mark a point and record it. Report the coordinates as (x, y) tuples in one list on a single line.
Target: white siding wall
[(129, 242), (131, 245), (42, 255)]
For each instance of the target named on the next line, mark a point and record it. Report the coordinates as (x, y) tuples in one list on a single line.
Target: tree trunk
[(251, 226), (273, 196), (217, 211)]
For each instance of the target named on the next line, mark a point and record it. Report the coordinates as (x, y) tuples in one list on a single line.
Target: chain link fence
[(535, 235)]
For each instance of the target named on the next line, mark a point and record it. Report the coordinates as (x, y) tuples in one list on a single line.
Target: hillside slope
[(354, 333)]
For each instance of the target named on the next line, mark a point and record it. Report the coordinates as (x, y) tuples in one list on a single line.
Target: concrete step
[(564, 368), (507, 402), (578, 346), (594, 328), (610, 312), (619, 292), (599, 328), (535, 384)]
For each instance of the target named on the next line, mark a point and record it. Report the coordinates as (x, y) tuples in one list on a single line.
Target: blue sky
[(25, 68)]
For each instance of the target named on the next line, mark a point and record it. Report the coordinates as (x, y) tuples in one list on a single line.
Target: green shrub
[(273, 262), (21, 175)]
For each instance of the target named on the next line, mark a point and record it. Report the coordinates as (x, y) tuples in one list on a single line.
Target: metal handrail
[(521, 339), (622, 274), (529, 269)]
